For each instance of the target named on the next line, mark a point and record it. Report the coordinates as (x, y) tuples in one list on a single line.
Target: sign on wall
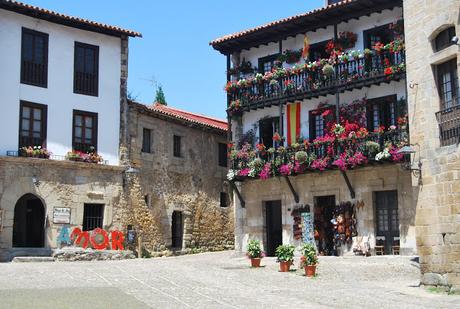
[(61, 215)]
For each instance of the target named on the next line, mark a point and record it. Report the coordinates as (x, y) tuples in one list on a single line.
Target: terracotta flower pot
[(255, 262), (285, 266), (310, 270)]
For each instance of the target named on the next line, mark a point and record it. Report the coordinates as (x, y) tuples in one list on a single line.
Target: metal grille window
[(444, 39), (84, 131), (34, 58), (32, 124), (222, 155), (93, 215), (177, 151), (146, 140), (448, 84), (86, 69)]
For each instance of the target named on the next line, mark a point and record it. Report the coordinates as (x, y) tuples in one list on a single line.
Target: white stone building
[(285, 77), (63, 89)]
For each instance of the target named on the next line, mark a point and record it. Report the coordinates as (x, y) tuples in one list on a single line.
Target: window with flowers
[(266, 64), (382, 34), (381, 112), (267, 128)]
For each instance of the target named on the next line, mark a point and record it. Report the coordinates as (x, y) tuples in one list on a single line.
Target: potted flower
[(285, 256), (309, 259), (255, 252)]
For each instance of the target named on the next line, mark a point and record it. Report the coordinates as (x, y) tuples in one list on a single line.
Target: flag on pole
[(306, 48), (293, 122)]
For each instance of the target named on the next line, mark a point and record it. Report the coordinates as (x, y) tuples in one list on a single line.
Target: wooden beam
[(240, 197), (350, 187), (294, 193)]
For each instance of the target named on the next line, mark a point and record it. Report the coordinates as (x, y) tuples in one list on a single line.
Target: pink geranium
[(244, 172), (265, 172), (285, 169)]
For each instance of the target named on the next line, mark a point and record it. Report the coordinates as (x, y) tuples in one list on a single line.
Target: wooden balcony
[(311, 81)]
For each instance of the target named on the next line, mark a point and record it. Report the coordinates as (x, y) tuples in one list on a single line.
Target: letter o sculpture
[(99, 246)]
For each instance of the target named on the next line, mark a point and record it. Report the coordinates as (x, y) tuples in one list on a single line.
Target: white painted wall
[(356, 26), (59, 96), (375, 91)]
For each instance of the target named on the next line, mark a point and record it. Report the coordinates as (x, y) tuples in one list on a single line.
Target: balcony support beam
[(240, 197), (350, 187), (294, 193)]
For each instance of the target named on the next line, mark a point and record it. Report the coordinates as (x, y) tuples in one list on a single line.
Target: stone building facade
[(288, 83), (181, 178), (45, 193), (432, 73)]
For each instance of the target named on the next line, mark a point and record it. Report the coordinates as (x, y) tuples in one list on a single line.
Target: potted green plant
[(309, 259), (285, 256), (255, 252)]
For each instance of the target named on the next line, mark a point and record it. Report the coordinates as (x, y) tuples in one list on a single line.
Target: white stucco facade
[(59, 96)]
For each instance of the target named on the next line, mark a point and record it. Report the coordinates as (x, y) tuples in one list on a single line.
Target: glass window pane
[(25, 124), (26, 112), (88, 133), (78, 121), (77, 132), (79, 59), (37, 114), (39, 50), (36, 134), (89, 122), (37, 126), (27, 51)]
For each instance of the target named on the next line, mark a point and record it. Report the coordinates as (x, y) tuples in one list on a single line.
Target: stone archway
[(29, 222)]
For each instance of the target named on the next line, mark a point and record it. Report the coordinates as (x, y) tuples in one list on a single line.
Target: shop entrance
[(324, 229), (274, 226), (387, 220), (29, 222), (177, 229)]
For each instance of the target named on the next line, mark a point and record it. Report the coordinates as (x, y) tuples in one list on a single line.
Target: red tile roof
[(192, 117), (277, 22), (72, 21), (182, 115)]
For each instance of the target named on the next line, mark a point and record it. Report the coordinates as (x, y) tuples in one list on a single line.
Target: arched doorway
[(177, 230), (29, 222)]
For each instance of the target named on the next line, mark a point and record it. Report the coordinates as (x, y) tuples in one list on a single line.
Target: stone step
[(9, 254), (33, 259)]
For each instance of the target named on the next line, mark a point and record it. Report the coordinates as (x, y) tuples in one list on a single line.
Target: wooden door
[(274, 226), (387, 219), (177, 229)]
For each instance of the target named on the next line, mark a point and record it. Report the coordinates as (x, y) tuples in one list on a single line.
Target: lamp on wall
[(455, 40), (411, 165)]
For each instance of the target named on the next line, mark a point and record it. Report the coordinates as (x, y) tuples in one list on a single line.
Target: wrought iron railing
[(373, 148), (309, 82), (33, 73), (86, 83), (14, 153), (449, 125)]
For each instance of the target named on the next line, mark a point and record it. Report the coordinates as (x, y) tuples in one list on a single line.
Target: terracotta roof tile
[(192, 117), (52, 16), (278, 22), (172, 112)]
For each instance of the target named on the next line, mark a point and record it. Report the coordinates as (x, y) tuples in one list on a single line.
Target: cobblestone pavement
[(217, 280)]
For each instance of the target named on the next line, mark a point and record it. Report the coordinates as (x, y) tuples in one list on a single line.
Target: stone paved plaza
[(217, 280)]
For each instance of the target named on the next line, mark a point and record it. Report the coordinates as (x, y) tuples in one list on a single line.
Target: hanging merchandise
[(344, 222), (303, 224)]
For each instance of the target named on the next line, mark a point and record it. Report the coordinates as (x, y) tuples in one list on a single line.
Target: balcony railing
[(336, 153), (86, 83), (34, 73), (14, 153), (306, 81), (449, 125)]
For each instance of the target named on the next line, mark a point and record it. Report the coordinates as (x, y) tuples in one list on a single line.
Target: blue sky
[(174, 50)]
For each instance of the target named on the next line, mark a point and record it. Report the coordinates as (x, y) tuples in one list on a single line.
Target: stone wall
[(250, 221), (190, 184), (59, 184), (438, 198)]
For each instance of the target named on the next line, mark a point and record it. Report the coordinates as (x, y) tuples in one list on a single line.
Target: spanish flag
[(293, 122), (306, 48)]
